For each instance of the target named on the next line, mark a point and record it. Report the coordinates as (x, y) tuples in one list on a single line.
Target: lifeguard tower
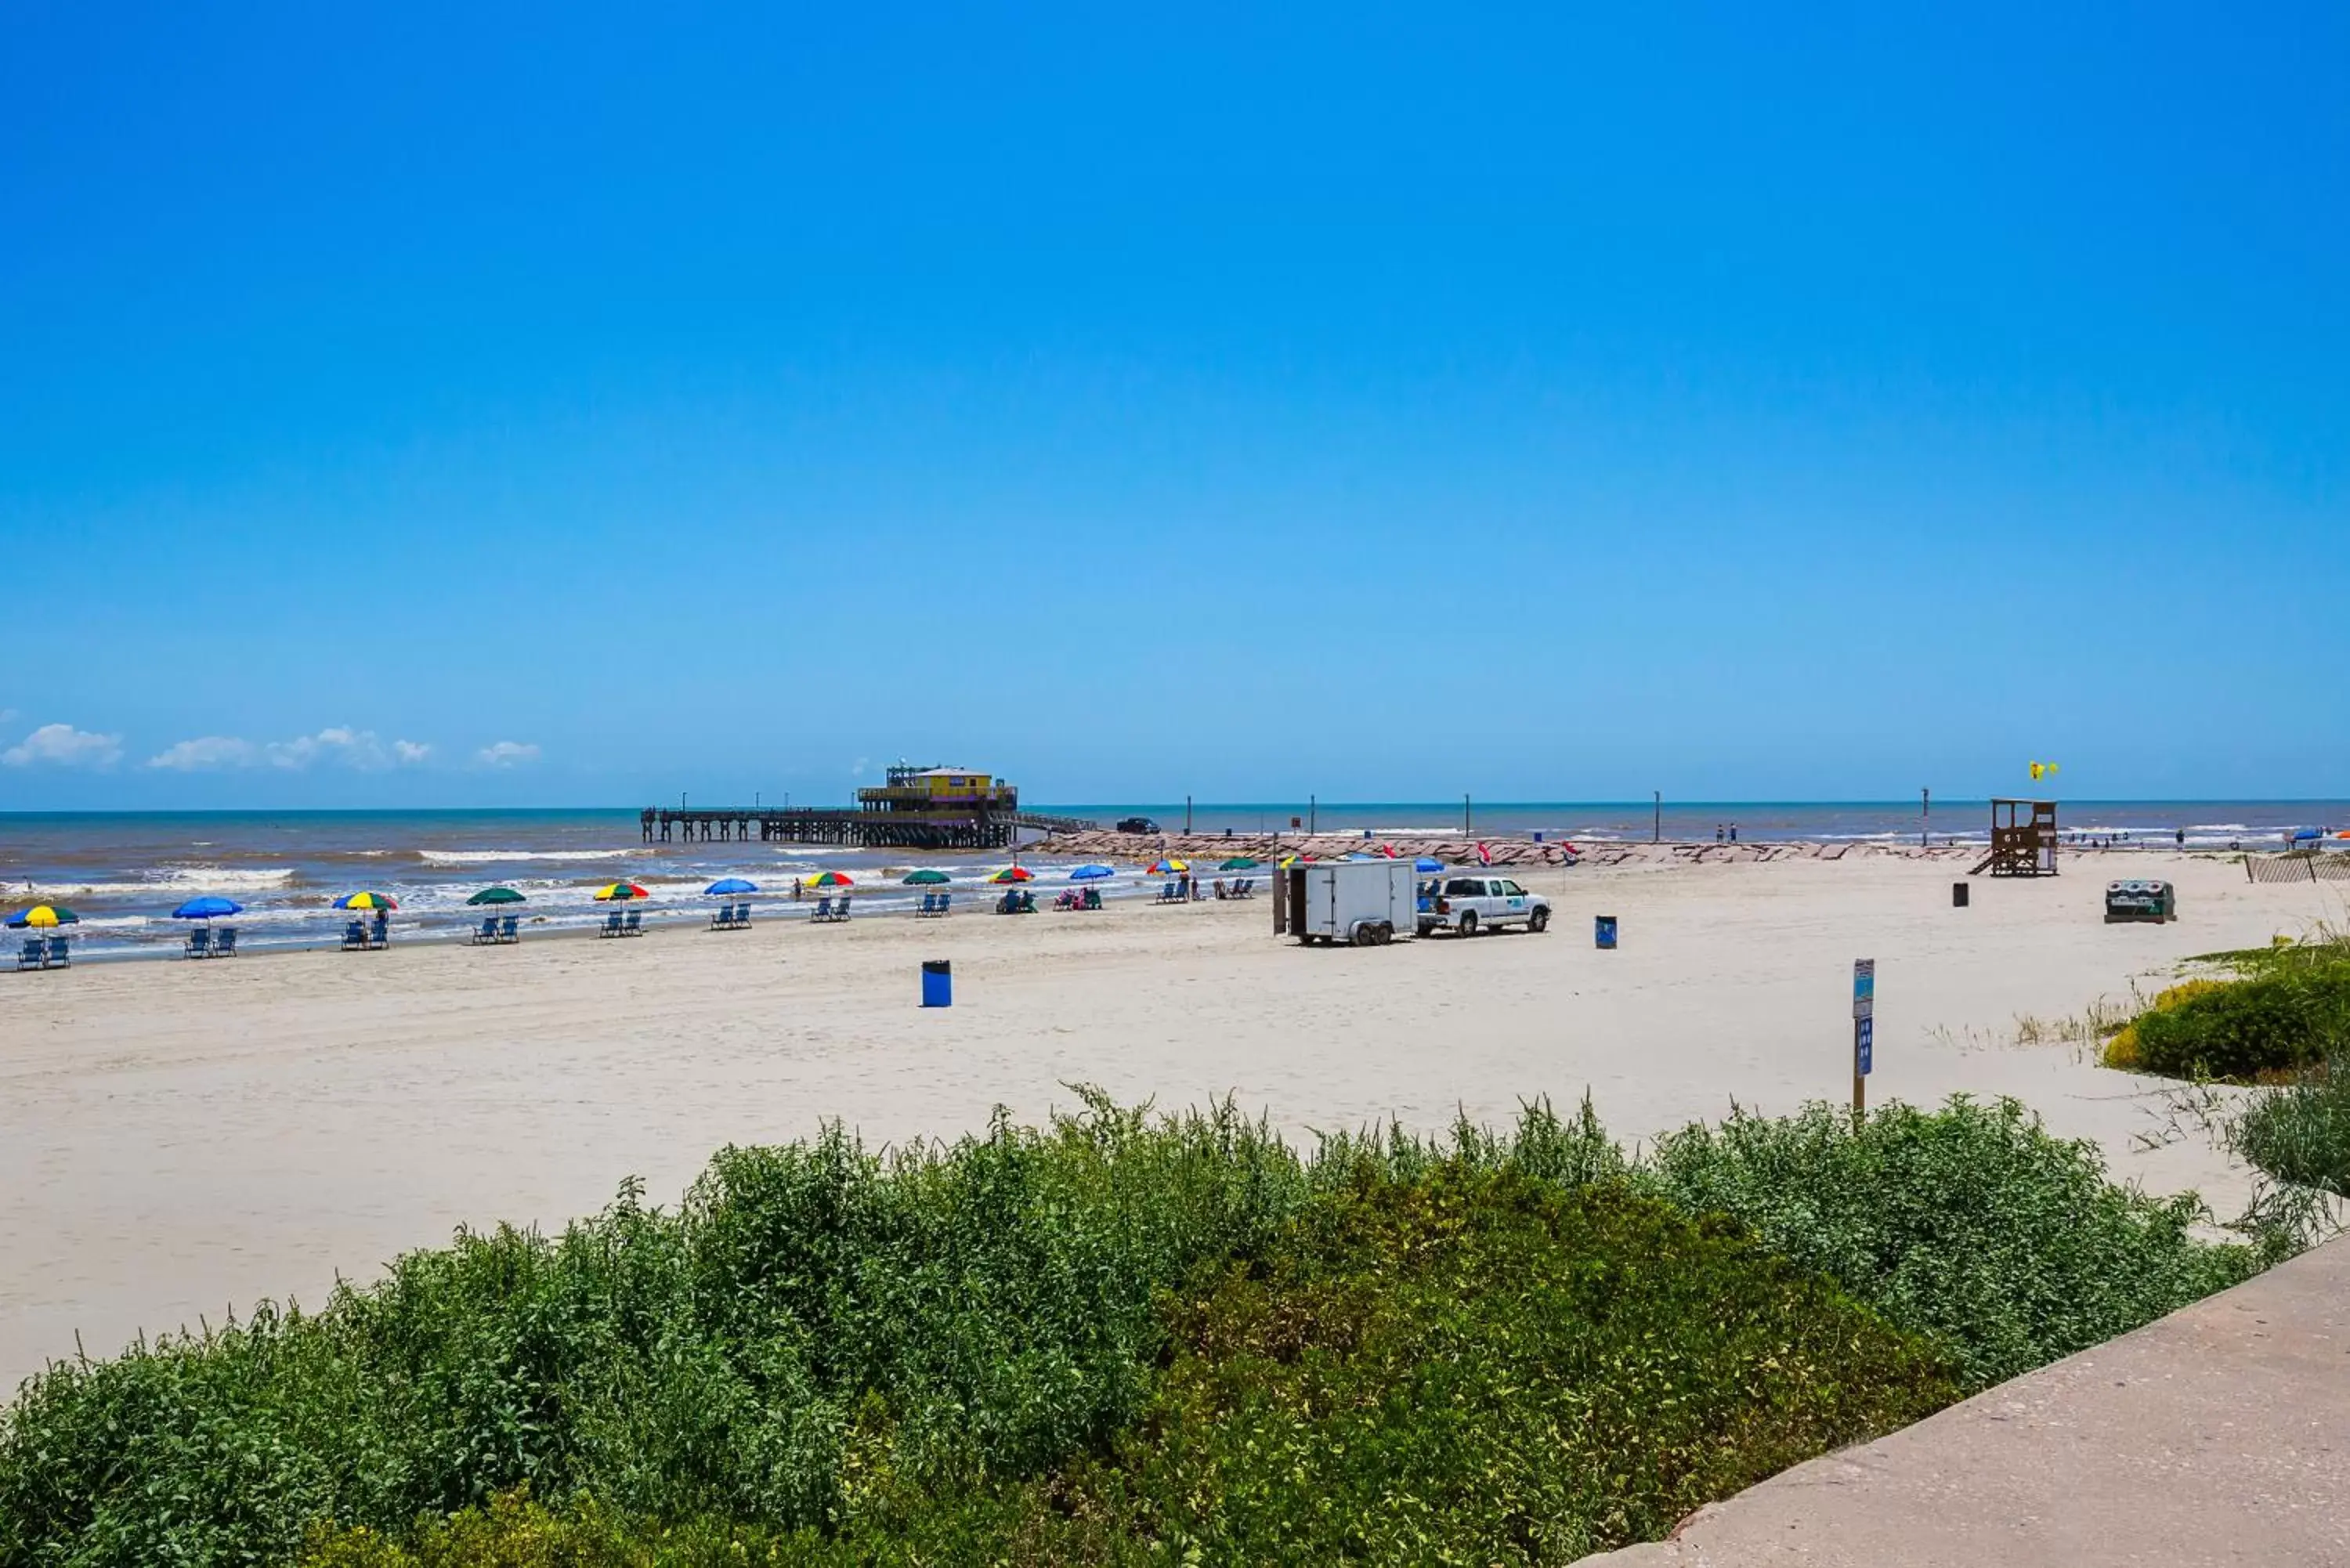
[(2022, 839)]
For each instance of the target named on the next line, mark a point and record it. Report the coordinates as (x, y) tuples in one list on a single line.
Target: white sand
[(176, 1137)]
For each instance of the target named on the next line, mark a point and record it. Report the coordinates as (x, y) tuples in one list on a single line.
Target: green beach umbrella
[(497, 896), (925, 878), (1238, 863)]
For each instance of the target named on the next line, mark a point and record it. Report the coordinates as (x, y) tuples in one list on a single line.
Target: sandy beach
[(178, 1139)]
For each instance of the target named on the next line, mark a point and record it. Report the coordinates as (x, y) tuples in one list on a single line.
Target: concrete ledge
[(2218, 1435)]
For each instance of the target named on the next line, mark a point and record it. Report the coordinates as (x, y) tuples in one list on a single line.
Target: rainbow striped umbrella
[(620, 892), (366, 901), (43, 916), (1014, 874), (832, 879), (1169, 868)]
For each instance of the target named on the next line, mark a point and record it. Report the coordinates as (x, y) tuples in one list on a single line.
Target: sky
[(444, 405)]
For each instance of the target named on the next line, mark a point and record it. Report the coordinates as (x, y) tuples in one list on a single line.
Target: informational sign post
[(1864, 1032)]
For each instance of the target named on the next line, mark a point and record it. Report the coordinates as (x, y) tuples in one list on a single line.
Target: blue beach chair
[(224, 942), (200, 942), (510, 929), (634, 926), (489, 932), (60, 954), (611, 926), (355, 936), (33, 954)]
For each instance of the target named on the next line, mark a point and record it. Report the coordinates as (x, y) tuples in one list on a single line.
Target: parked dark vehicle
[(1138, 825)]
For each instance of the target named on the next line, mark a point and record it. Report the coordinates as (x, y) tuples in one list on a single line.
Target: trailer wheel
[(1539, 920), (1382, 934), (1468, 922)]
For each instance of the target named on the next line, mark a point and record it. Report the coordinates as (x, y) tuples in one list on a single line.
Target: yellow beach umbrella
[(618, 892), (44, 917)]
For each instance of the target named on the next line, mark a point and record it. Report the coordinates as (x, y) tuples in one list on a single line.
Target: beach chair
[(841, 912), (1027, 901), (722, 918), (634, 926), (1010, 903), (1167, 892), (929, 906), (489, 932), (355, 936), (224, 942), (200, 942), (33, 954), (742, 915), (1092, 899), (1248, 888), (510, 929), (823, 909), (381, 936), (60, 953), (611, 926), (944, 898)]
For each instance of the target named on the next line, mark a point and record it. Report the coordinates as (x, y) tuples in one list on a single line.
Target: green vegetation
[(2299, 1132), (2281, 1011), (1118, 1339)]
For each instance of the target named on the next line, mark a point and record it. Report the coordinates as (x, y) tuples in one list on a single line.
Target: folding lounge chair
[(34, 953), (489, 932), (943, 900), (60, 955), (722, 918), (224, 942), (823, 909), (841, 913), (200, 942), (635, 924), (510, 929), (611, 926), (381, 936), (1092, 899), (355, 936)]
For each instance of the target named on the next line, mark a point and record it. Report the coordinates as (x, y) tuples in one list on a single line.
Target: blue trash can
[(938, 983), (1603, 930)]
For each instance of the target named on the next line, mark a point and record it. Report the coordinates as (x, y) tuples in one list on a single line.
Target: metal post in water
[(1657, 833)]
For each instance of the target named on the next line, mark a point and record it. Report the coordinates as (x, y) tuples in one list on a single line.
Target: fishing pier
[(918, 808)]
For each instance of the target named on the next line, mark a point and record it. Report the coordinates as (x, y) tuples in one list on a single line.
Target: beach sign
[(1864, 1032)]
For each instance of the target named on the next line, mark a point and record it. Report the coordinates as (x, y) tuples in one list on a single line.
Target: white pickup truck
[(1485, 902)]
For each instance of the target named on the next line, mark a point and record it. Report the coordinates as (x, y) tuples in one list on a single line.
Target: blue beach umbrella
[(1428, 863), (725, 885), (207, 907), (1090, 873)]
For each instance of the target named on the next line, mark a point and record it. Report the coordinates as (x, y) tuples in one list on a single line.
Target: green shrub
[(2301, 1132), (2279, 1020), (1970, 1223)]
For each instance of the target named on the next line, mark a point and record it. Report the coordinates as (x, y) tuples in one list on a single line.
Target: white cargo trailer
[(1365, 903)]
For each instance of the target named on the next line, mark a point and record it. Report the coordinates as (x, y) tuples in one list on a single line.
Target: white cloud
[(205, 752), (506, 755), (339, 745), (64, 746)]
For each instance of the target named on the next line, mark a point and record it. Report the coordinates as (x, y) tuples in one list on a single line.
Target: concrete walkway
[(2219, 1435)]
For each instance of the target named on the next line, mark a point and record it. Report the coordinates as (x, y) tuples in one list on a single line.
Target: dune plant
[(2299, 1132)]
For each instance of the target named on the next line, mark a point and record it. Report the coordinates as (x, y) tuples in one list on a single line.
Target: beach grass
[(1120, 1336)]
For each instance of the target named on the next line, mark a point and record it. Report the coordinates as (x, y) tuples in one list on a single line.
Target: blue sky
[(574, 404)]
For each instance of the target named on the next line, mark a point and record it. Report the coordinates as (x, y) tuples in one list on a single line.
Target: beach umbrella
[(1286, 861), (1357, 854), (832, 879), (925, 878), (1238, 863), (366, 901), (1090, 873), (726, 886), (1169, 868), (1428, 863), (43, 916), (497, 896), (1014, 874), (210, 906), (620, 892)]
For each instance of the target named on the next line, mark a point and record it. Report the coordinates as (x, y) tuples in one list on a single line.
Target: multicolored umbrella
[(925, 878), (1014, 874), (1238, 863), (366, 901), (210, 906), (1168, 868), (497, 896), (620, 892), (42, 917), (832, 879), (726, 887)]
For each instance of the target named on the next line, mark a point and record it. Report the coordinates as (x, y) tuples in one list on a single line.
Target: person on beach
[(795, 889), (1734, 833), (2182, 838), (1717, 833)]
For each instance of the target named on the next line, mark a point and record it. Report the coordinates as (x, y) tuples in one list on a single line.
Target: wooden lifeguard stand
[(2022, 839)]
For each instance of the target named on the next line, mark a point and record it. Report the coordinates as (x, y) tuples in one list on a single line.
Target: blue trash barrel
[(1603, 930), (938, 983)]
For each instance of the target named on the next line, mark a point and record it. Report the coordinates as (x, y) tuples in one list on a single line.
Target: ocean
[(124, 872)]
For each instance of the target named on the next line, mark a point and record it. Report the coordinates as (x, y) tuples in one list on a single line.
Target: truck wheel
[(1539, 920), (1468, 922)]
